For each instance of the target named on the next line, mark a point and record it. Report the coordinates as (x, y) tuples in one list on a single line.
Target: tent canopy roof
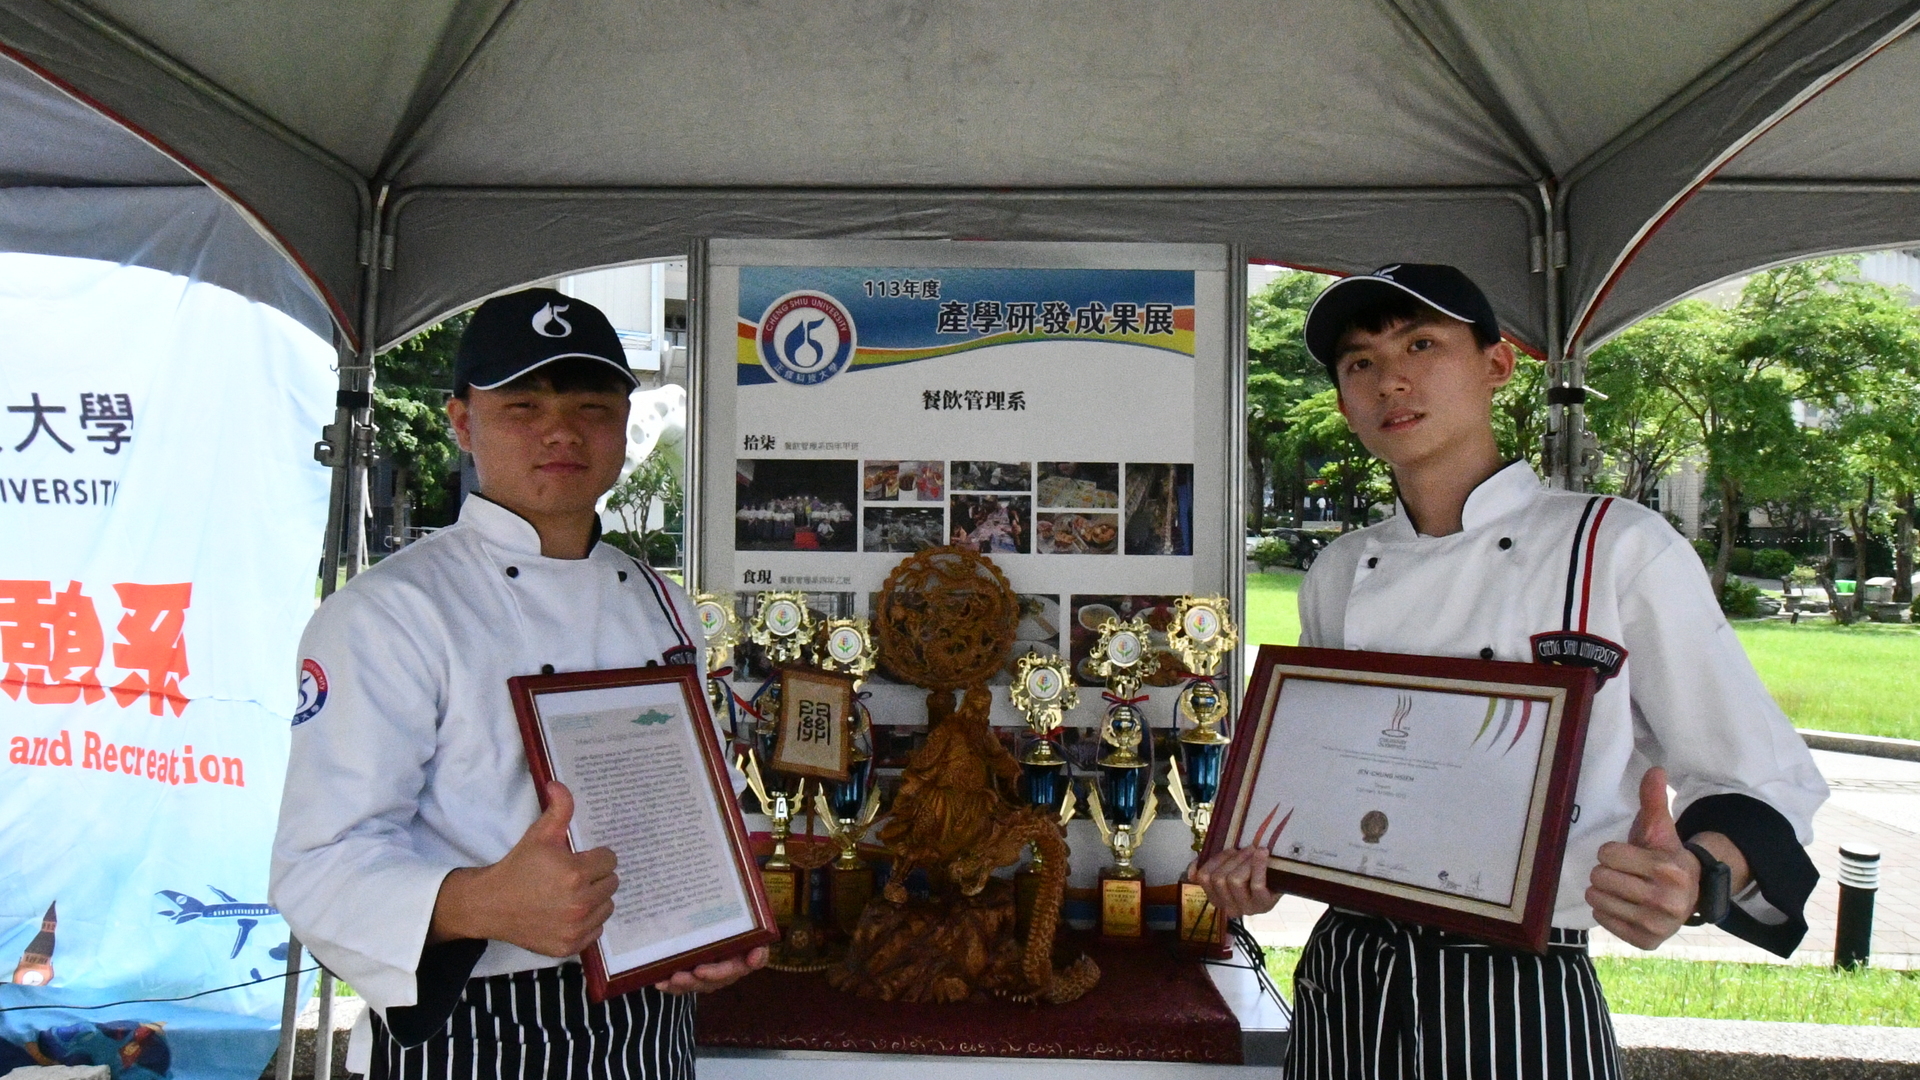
[(517, 139)]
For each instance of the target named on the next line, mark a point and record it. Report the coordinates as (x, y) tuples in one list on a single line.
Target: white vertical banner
[(160, 525)]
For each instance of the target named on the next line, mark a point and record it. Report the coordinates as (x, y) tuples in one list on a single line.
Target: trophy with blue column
[(1202, 635), (1121, 800), (849, 806), (1043, 692), (720, 627), (782, 626)]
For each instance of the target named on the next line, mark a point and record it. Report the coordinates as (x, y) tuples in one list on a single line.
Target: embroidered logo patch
[(313, 691), (1570, 648)]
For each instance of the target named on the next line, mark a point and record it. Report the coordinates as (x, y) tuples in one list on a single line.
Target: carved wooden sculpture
[(945, 621)]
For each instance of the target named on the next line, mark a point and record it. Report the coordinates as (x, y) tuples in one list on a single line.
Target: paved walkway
[(1875, 801)]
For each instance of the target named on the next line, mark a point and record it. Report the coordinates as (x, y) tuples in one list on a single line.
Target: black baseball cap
[(1443, 288), (511, 335)]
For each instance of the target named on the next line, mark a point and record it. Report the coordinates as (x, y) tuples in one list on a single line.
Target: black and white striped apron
[(539, 1025), (1378, 999)]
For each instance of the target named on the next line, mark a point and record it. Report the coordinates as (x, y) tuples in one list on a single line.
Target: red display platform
[(1152, 1004)]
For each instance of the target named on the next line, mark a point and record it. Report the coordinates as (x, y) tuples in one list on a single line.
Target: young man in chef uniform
[(1481, 560), (412, 857)]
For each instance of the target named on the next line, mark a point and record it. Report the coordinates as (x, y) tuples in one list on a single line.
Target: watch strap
[(1716, 888)]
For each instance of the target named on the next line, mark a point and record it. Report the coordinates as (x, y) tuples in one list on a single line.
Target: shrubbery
[(1739, 599), (1270, 551), (1772, 563)]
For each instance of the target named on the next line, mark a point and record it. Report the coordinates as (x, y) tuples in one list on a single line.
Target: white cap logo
[(547, 317), (1386, 271)]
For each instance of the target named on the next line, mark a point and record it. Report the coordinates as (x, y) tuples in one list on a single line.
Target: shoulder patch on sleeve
[(313, 691)]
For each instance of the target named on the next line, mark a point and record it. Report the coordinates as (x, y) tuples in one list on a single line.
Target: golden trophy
[(1043, 691), (1202, 635), (720, 626), (800, 947), (782, 626), (781, 875), (1126, 777), (849, 806)]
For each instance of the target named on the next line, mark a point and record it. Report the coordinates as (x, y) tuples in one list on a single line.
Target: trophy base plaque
[(1123, 908), (850, 887), (1202, 930), (783, 892)]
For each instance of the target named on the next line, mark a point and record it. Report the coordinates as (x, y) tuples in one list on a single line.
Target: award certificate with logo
[(638, 750), (1422, 788)]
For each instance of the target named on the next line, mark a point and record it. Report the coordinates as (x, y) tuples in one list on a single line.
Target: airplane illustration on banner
[(245, 916)]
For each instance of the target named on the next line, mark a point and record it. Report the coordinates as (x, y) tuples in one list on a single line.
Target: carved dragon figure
[(957, 816)]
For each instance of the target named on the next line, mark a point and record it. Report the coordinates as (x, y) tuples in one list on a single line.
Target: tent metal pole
[(1236, 553), (289, 1013), (691, 536), (1566, 373), (323, 1029)]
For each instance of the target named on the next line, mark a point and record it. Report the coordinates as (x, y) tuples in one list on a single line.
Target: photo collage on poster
[(993, 507)]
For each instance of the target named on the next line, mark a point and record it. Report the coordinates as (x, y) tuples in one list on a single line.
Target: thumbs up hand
[(542, 896), (1644, 890)]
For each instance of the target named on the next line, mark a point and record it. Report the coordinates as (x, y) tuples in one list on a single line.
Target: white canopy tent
[(1587, 163)]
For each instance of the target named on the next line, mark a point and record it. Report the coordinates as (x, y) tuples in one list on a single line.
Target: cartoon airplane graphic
[(245, 916)]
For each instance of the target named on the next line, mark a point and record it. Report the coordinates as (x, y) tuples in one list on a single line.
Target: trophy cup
[(721, 629), (1043, 691), (849, 806), (782, 877), (782, 626), (1126, 778), (1202, 635)]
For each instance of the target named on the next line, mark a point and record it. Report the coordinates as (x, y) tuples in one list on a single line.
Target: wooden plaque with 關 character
[(814, 734), (1429, 789)]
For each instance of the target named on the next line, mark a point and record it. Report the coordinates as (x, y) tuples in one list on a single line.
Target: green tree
[(656, 482), (1739, 402), (1852, 346), (1355, 479), (1280, 375), (1643, 428), (413, 381), (1520, 413)]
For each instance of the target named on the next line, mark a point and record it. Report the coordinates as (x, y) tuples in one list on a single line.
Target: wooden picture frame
[(813, 736), (618, 739), (1309, 753)]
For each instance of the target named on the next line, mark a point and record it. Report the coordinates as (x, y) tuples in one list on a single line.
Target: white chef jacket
[(1529, 560), (412, 765)]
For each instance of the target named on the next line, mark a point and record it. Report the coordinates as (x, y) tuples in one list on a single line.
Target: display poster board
[(1063, 408)]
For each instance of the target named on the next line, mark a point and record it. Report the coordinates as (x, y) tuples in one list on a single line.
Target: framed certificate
[(1423, 788), (812, 739), (638, 751)]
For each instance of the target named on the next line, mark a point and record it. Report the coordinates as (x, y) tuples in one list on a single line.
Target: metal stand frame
[(345, 446)]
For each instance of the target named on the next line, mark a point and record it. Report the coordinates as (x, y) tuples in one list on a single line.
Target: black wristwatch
[(1716, 888)]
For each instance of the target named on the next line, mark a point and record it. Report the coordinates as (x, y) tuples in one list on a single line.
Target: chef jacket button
[(1486, 653), (623, 575), (1506, 542), (1373, 562), (546, 669), (513, 571)]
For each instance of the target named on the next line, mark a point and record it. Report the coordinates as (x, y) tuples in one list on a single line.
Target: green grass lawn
[(1717, 991), (1273, 608), (1863, 679)]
